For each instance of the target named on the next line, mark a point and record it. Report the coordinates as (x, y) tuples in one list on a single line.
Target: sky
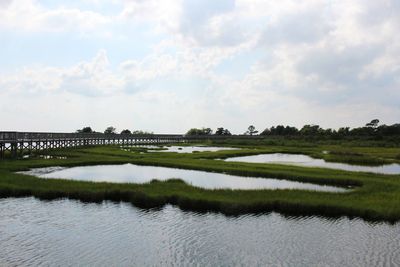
[(170, 65)]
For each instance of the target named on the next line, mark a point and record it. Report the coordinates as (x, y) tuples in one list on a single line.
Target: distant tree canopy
[(202, 131), (251, 130), (126, 131), (222, 131), (140, 132), (374, 123), (110, 130), (370, 129), (280, 130), (85, 130)]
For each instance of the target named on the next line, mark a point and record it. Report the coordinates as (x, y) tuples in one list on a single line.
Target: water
[(188, 149), (129, 173), (44, 157), (307, 161), (70, 233)]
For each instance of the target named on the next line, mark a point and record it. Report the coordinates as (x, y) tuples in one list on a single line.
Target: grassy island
[(374, 197)]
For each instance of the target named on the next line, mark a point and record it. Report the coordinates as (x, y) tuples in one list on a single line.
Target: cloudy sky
[(170, 65)]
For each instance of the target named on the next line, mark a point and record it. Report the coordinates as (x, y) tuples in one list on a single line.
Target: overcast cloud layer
[(167, 66)]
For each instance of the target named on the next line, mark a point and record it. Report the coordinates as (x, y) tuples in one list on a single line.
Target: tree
[(251, 130), (389, 129), (126, 131), (222, 131), (85, 130), (202, 131), (280, 130), (310, 130), (110, 130), (343, 131), (374, 123)]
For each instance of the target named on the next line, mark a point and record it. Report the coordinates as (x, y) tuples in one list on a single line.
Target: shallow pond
[(188, 149), (307, 161), (129, 173), (70, 233)]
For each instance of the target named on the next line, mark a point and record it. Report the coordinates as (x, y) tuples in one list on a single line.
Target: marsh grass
[(374, 197)]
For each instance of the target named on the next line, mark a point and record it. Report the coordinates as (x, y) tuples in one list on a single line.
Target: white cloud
[(165, 14), (30, 16), (86, 78), (311, 59)]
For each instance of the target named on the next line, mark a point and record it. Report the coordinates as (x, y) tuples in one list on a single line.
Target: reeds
[(376, 197)]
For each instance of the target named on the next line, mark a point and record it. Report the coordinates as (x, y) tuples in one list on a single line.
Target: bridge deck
[(18, 143)]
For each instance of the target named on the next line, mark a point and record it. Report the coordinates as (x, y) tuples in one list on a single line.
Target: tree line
[(112, 130), (371, 128), (251, 130)]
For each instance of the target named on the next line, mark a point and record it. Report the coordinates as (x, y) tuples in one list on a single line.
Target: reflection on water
[(43, 157), (69, 233), (129, 173), (307, 161), (188, 149)]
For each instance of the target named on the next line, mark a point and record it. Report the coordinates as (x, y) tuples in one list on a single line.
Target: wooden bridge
[(17, 144)]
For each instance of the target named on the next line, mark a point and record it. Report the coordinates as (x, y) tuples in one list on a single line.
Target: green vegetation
[(86, 129), (110, 130), (113, 130), (374, 197), (202, 131), (251, 130), (126, 131), (370, 134), (222, 131), (371, 130)]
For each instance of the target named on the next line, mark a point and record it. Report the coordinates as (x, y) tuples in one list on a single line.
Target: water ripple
[(67, 232)]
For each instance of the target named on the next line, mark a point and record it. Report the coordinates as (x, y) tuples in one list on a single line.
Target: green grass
[(374, 197)]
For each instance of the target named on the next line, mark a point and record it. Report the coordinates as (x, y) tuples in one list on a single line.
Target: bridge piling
[(13, 144), (1, 151)]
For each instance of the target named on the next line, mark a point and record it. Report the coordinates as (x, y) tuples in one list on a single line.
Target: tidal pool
[(307, 161), (188, 149), (130, 173), (70, 233)]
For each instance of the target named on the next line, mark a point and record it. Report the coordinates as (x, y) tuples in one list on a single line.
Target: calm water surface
[(129, 173), (70, 233), (189, 149), (304, 160)]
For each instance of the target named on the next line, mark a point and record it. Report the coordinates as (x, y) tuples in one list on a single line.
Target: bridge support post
[(30, 147), (14, 150), (21, 149), (1, 151)]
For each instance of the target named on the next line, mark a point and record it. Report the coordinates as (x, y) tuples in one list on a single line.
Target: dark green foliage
[(126, 131), (251, 130), (202, 131), (371, 131), (280, 130), (222, 131), (374, 123), (110, 130), (85, 130)]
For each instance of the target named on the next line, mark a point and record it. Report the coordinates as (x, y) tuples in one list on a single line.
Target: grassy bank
[(375, 197)]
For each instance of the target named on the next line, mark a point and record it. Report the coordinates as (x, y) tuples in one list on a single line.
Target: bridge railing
[(26, 136), (32, 136), (8, 136)]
